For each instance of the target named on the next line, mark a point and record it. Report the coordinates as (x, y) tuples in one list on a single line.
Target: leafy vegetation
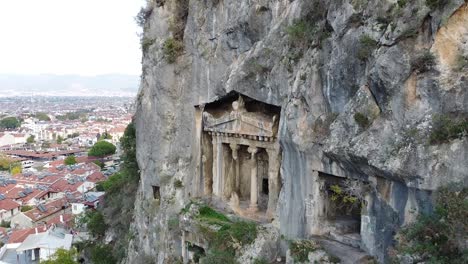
[(31, 139), (301, 31), (338, 194), (16, 169), (62, 256), (178, 184), (102, 149), (461, 63), (73, 135), (436, 4), (300, 249), (101, 254), (95, 223), (445, 128), (402, 3), (42, 116), (229, 237), (439, 237), (172, 48), (9, 123), (118, 205), (423, 62), (105, 136), (26, 208), (5, 162), (146, 43), (260, 261), (99, 163), (361, 119), (70, 160), (366, 46), (5, 224), (73, 115), (59, 139)]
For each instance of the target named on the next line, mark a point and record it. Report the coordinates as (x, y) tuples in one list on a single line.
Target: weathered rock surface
[(320, 84)]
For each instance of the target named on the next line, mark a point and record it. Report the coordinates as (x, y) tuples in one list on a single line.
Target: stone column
[(235, 157), (207, 181), (217, 165), (253, 180), (273, 180)]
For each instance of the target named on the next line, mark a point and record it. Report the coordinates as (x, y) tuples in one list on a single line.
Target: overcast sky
[(84, 37)]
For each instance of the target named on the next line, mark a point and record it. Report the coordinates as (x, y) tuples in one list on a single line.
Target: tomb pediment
[(240, 121)]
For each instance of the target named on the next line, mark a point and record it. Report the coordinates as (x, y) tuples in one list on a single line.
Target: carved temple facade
[(240, 155)]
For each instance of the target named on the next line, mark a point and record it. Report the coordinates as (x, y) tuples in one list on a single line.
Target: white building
[(40, 246)]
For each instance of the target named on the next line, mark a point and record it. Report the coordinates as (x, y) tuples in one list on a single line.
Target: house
[(8, 208), (20, 138), (6, 139), (78, 208), (92, 199), (8, 252), (41, 246), (117, 133), (41, 214)]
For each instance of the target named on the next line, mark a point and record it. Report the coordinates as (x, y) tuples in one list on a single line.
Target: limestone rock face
[(325, 64)]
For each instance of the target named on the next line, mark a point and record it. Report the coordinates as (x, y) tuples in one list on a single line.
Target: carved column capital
[(234, 147), (252, 150)]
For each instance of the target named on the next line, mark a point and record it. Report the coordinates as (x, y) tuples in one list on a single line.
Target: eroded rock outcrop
[(355, 85)]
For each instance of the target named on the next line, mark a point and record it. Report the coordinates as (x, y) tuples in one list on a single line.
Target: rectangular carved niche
[(156, 192)]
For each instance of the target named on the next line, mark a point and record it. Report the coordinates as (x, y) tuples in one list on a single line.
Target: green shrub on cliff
[(436, 4), (172, 48), (227, 238), (300, 249), (445, 128), (439, 237), (361, 119), (423, 62), (366, 46)]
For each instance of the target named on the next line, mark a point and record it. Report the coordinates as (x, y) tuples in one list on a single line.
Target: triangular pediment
[(239, 121)]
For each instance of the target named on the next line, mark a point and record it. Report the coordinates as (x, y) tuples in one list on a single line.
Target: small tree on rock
[(102, 149), (70, 160)]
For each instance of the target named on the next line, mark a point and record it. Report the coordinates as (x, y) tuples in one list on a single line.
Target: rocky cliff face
[(361, 85)]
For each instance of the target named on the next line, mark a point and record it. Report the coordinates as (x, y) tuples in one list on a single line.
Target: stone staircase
[(347, 254), (346, 231)]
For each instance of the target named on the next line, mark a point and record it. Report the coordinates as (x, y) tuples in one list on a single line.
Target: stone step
[(347, 254), (350, 239)]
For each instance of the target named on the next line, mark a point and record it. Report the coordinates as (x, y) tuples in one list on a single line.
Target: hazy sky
[(85, 37)]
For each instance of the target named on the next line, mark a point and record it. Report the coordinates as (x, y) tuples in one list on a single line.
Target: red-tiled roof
[(33, 154), (14, 193), (52, 207), (8, 204), (18, 236), (35, 194), (62, 185), (56, 220), (5, 189), (81, 159), (96, 177)]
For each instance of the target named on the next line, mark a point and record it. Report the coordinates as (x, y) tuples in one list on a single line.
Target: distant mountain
[(69, 85)]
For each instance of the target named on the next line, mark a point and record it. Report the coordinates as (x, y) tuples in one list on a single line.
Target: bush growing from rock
[(445, 128), (423, 62), (300, 249), (172, 48), (436, 4), (361, 120), (366, 46), (439, 237)]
